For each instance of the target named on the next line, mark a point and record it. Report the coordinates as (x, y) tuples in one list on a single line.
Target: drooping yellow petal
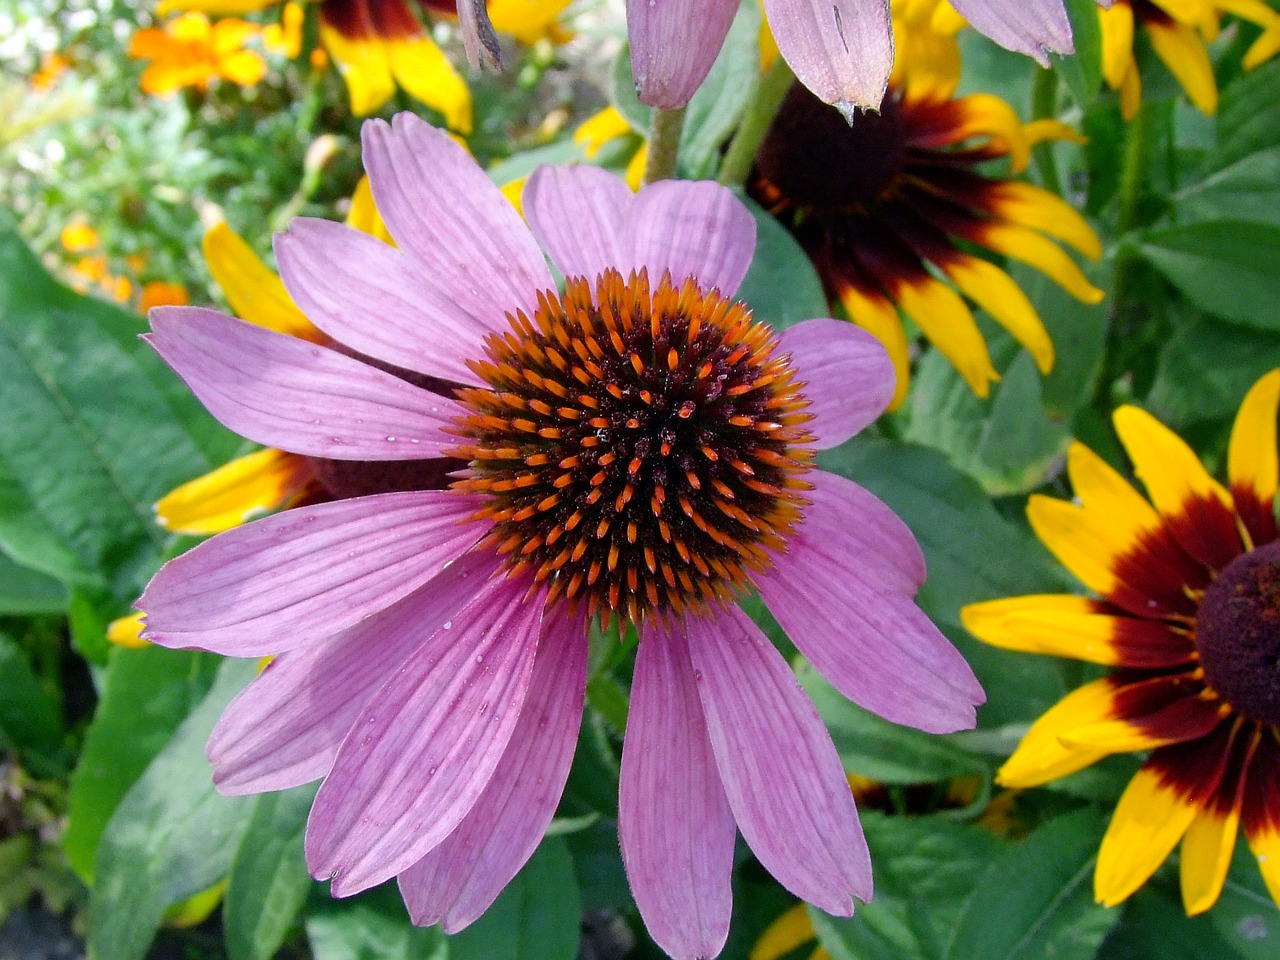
[(1131, 92), (514, 192), (982, 114), (364, 66), (1117, 42), (943, 317), (792, 930), (255, 293), (768, 46), (1058, 625), (231, 494), (426, 74), (364, 215), (634, 174), (527, 20), (1167, 466), (1046, 128), (1031, 248), (1184, 53), (1253, 464), (1112, 501), (1149, 821), (1042, 756), (1024, 203), (1264, 844), (1263, 49), (879, 317), (1083, 544), (597, 130), (1199, 14), (125, 631), (1206, 857), (996, 292)]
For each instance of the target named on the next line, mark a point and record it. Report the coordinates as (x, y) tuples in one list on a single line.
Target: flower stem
[(755, 123), (664, 144), (1044, 105)]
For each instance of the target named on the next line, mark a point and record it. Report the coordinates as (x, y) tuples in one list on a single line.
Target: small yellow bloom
[(162, 293), (78, 237), (191, 52)]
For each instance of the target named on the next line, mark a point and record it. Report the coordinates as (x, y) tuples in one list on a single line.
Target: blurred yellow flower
[(191, 52)]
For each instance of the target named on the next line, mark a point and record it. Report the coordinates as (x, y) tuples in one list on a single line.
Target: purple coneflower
[(638, 448)]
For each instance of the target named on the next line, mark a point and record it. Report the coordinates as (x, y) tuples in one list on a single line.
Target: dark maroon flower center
[(641, 450), (1238, 634), (814, 158)]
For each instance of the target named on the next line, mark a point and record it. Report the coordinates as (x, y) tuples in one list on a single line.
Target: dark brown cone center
[(817, 159), (1238, 634)]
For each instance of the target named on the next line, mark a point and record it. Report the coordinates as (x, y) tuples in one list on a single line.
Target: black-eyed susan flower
[(1187, 582), (1179, 32), (635, 448), (892, 207), (189, 51)]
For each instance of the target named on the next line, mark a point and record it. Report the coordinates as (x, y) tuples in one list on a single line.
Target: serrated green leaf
[(1036, 902), (268, 881), (781, 287), (147, 693), (1229, 268), (95, 430), (536, 918), (172, 836), (29, 720)]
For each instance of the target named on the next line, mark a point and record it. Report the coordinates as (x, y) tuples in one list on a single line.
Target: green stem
[(1044, 105), (774, 87), (664, 144)]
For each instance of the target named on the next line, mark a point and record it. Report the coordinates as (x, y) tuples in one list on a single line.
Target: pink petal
[(780, 770), (842, 50), (1034, 27), (377, 300), (445, 211), (698, 230), (458, 879), (284, 392), (577, 215), (285, 728), (673, 46), (845, 601), (849, 374), (674, 821), (307, 573), (427, 743)]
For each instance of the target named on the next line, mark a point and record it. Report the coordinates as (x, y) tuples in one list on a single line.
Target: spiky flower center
[(1238, 634), (641, 450)]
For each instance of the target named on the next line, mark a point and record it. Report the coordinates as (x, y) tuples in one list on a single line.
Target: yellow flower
[(1187, 581), (189, 51)]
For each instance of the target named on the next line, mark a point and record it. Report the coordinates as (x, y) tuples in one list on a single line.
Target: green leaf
[(1248, 189), (972, 552), (1230, 268), (1083, 70), (1248, 116), (781, 288), (716, 108), (95, 430), (28, 718), (268, 882), (622, 94), (879, 750), (925, 869), (373, 926), (536, 918), (147, 693), (25, 592), (1047, 912), (172, 836)]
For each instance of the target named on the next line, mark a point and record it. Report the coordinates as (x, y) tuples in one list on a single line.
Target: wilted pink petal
[(673, 45), (674, 821)]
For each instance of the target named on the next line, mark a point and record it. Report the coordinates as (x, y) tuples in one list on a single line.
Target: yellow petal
[(1149, 821), (879, 317), (213, 6), (1024, 203), (426, 74), (983, 114), (245, 68), (1264, 48), (634, 174), (1184, 53), (233, 493), (1031, 248), (1117, 42), (768, 46), (1253, 464), (1059, 625), (125, 631), (1264, 844), (792, 930), (1042, 755), (943, 317), (364, 215), (527, 20), (1206, 857), (1110, 499), (1193, 13), (1130, 92), (995, 291), (1083, 544), (597, 130), (514, 192), (364, 66), (1170, 470), (1046, 128), (255, 293), (78, 237)]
